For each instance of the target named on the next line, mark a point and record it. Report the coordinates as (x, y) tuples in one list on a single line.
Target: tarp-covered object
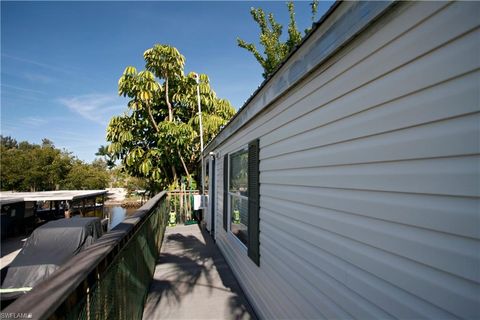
[(47, 248)]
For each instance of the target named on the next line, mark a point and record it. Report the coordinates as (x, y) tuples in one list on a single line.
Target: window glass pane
[(238, 172), (239, 217)]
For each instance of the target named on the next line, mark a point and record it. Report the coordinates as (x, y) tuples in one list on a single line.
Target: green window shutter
[(225, 192), (254, 201)]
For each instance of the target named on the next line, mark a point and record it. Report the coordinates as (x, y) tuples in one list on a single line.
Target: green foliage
[(31, 167), (85, 176), (107, 157), (164, 61), (158, 137), (294, 36), (314, 8), (8, 142), (121, 179), (274, 49)]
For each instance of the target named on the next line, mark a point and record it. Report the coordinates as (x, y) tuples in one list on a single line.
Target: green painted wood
[(254, 201), (225, 192)]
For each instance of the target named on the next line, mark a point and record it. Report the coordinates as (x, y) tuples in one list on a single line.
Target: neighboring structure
[(20, 209), (15, 214), (348, 185)]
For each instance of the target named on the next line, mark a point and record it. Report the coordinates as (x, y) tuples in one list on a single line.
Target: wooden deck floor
[(193, 281)]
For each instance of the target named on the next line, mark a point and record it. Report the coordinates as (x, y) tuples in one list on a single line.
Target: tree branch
[(150, 115), (167, 100), (183, 163)]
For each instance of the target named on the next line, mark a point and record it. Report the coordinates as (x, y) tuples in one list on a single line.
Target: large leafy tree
[(158, 137), (87, 176), (41, 167), (31, 167), (274, 49)]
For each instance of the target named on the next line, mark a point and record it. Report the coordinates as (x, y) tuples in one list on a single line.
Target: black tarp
[(47, 248)]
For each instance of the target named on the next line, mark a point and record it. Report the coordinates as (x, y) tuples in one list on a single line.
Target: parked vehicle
[(47, 248)]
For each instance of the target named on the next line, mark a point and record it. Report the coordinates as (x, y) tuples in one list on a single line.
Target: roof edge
[(340, 24)]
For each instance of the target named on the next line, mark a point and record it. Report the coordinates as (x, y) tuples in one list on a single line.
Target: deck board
[(193, 281)]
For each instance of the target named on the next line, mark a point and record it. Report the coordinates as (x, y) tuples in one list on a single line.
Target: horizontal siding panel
[(446, 138), (403, 82), (287, 304), (447, 176), (453, 294), (370, 177), (374, 290), (359, 307), (451, 99), (314, 302), (372, 73), (260, 304), (219, 231), (452, 215), (270, 299), (453, 254), (367, 44)]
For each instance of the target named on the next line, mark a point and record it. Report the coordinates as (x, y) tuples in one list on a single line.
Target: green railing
[(109, 280), (181, 202)]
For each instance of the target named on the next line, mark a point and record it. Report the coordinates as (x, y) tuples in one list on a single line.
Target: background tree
[(274, 49), (106, 156), (121, 179), (157, 138), (84, 176), (31, 167), (8, 142)]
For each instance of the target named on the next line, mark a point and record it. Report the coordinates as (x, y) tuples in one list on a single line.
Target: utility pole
[(197, 78)]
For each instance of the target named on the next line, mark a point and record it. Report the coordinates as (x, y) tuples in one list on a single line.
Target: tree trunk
[(167, 100), (183, 163), (152, 119), (174, 172)]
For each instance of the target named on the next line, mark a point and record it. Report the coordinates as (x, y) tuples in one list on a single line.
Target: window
[(241, 194), (238, 194), (206, 179), (206, 185)]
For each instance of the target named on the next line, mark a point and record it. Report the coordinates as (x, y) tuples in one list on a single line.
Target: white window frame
[(229, 198)]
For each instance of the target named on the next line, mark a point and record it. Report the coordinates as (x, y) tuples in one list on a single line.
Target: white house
[(348, 185)]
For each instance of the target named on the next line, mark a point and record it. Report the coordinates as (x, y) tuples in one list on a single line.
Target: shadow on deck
[(193, 281)]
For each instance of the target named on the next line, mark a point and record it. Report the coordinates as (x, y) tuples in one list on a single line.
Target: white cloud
[(22, 89), (38, 78), (34, 121), (13, 95), (39, 64), (98, 108)]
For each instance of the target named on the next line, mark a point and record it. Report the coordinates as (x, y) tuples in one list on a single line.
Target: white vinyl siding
[(369, 177)]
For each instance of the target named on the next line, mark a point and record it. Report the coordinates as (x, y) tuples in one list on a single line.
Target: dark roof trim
[(342, 22), (58, 195)]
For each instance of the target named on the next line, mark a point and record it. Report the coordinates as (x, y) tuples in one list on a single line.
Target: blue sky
[(60, 61)]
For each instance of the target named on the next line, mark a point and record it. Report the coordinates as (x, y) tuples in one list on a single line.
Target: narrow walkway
[(193, 281)]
